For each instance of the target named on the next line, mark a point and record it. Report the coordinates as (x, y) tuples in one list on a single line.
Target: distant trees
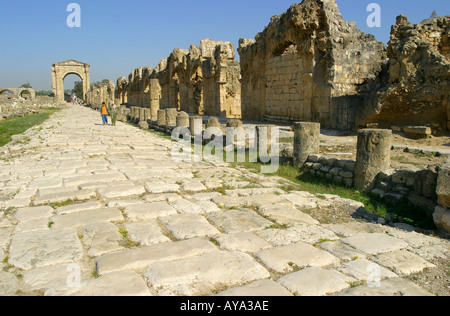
[(98, 83), (78, 90), (26, 85)]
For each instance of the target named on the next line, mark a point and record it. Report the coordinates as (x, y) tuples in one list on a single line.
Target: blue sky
[(117, 36)]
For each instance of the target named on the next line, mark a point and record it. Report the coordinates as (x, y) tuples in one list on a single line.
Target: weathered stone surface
[(161, 187), (121, 283), (373, 156), (417, 131), (306, 141), (441, 217), (185, 226), (47, 196), (200, 275), (244, 242), (9, 284), (300, 233), (146, 233), (141, 257), (53, 276), (101, 238), (44, 248), (375, 243), (366, 270), (257, 289), (33, 213), (84, 218), (340, 250), (286, 215), (315, 281), (274, 67), (79, 207), (389, 287), (403, 262), (443, 185), (121, 191), (186, 207), (148, 211), (237, 221), (283, 259)]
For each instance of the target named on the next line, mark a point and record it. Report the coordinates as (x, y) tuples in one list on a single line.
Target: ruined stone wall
[(104, 93), (415, 88), (302, 60), (202, 80)]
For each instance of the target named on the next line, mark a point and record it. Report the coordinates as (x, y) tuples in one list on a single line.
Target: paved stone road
[(138, 223)]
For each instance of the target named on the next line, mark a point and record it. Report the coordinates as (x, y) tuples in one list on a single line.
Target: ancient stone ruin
[(306, 65), (413, 88), (310, 68)]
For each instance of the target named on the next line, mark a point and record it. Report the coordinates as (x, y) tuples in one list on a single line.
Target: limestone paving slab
[(375, 243), (185, 226), (52, 276), (33, 213), (121, 283), (34, 249), (260, 288), (286, 214), (315, 281), (48, 196), (388, 287), (140, 258), (187, 207), (148, 211), (84, 218), (201, 275), (283, 259), (341, 250), (236, 221), (121, 191), (146, 233), (365, 270), (300, 233), (101, 238), (403, 262), (244, 242)]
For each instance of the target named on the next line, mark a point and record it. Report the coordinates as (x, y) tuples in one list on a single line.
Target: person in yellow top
[(104, 112)]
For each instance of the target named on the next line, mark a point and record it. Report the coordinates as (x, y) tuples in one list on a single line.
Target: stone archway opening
[(69, 83), (63, 69), (25, 94)]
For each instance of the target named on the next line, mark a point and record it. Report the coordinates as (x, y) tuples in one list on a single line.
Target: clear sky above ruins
[(117, 36)]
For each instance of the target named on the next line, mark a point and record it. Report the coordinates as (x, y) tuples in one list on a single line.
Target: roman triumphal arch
[(62, 70)]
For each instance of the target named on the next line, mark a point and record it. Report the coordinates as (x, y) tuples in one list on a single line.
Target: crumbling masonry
[(307, 65), (203, 80)]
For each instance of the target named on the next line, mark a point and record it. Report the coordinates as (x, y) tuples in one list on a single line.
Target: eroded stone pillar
[(196, 125), (161, 119), (373, 156), (182, 119), (171, 118), (306, 141)]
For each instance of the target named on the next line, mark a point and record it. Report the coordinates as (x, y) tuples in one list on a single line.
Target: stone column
[(171, 119), (306, 141), (161, 121), (196, 121), (183, 119), (373, 156), (264, 136)]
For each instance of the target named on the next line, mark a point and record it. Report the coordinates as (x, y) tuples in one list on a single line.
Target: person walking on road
[(104, 112), (113, 111)]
